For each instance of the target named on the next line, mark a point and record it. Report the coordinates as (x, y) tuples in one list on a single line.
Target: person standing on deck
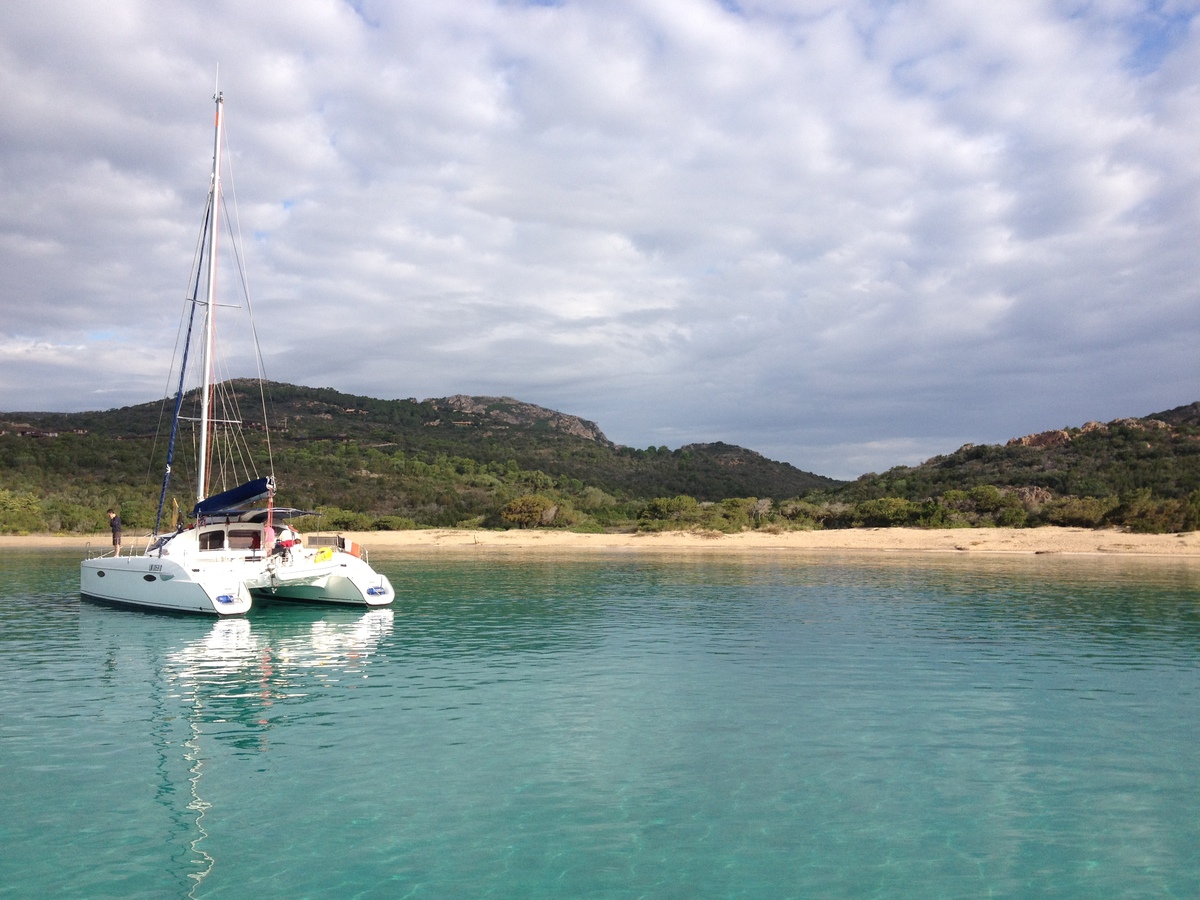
[(114, 522)]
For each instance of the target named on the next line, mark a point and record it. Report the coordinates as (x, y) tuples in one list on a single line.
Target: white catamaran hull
[(340, 578), (163, 584)]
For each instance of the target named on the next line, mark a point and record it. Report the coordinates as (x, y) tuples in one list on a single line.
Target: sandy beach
[(1072, 541)]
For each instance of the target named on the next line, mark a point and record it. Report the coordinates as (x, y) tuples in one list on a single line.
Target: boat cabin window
[(213, 540), (245, 540)]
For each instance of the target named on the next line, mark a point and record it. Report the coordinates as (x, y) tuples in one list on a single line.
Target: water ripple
[(614, 727)]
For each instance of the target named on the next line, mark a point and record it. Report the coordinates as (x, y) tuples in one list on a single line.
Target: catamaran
[(232, 551)]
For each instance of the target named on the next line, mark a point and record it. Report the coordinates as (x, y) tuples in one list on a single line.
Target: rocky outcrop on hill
[(1057, 437), (500, 411), (1042, 439), (1120, 460)]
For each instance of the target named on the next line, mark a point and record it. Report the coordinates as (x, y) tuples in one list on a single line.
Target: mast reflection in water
[(222, 689)]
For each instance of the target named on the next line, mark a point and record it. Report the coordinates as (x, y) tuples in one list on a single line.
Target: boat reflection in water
[(222, 695)]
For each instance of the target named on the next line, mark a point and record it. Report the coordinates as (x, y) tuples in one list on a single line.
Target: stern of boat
[(326, 576), (162, 584)]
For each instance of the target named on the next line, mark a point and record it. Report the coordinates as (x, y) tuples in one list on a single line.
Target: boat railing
[(91, 552)]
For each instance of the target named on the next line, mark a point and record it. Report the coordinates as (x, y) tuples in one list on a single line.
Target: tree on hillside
[(530, 511)]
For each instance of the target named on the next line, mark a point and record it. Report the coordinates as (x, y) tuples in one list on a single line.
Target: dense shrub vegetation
[(362, 464), (982, 506)]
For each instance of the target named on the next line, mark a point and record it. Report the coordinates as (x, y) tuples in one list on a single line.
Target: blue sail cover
[(234, 498)]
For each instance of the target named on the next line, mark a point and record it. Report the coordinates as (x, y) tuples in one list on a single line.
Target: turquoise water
[(881, 726)]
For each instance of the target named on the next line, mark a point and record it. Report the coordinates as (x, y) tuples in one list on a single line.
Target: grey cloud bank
[(847, 235)]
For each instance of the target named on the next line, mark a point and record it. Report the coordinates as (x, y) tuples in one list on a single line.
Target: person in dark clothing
[(114, 522)]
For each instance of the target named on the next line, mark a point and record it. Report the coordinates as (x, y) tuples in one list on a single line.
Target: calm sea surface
[(857, 726)]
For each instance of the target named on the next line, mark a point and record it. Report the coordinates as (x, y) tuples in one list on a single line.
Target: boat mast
[(214, 194)]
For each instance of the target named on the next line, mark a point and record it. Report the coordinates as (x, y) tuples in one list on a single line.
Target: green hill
[(1159, 453), (1140, 473), (370, 463), (386, 463)]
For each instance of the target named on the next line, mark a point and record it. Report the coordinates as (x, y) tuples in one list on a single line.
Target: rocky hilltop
[(503, 412), (1059, 436), (1158, 454)]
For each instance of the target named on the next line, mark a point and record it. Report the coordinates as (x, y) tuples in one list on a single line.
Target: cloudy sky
[(848, 235)]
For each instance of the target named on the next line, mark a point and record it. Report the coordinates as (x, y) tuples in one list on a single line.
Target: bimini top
[(279, 512), (227, 501)]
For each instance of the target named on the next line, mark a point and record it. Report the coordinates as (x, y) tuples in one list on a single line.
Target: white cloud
[(888, 225)]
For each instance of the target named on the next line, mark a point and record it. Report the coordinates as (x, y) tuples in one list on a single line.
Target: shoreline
[(989, 541)]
